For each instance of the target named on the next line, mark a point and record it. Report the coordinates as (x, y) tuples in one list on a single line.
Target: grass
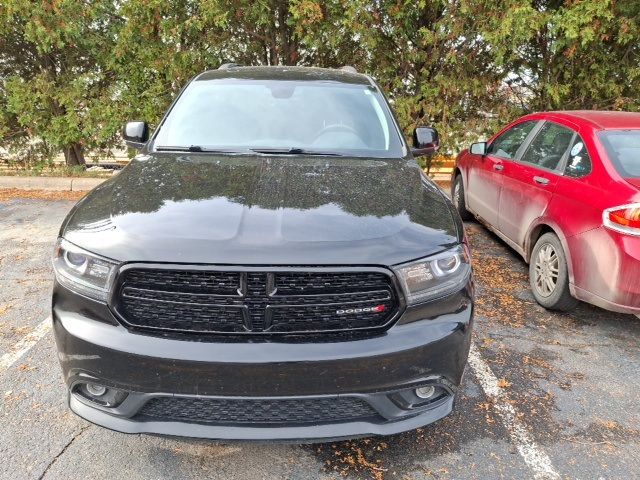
[(54, 171), (13, 193)]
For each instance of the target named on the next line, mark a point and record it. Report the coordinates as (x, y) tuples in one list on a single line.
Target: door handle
[(541, 180), (498, 166)]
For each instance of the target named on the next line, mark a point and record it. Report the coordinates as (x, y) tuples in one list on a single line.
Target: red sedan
[(563, 190)]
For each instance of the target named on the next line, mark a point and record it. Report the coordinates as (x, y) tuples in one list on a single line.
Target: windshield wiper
[(295, 151), (277, 151), (184, 148), (196, 148)]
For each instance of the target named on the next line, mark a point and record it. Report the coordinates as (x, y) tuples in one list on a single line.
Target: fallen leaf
[(504, 383)]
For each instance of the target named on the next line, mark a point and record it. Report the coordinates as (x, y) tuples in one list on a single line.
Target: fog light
[(96, 390), (425, 392), (96, 393)]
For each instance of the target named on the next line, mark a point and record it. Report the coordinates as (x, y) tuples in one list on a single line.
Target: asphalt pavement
[(545, 395)]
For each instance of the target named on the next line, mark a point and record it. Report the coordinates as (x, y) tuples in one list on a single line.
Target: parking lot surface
[(545, 395)]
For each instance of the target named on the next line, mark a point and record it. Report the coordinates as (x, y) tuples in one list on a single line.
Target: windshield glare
[(326, 117), (623, 148)]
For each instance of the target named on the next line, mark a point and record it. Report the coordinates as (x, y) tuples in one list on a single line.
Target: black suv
[(273, 264)]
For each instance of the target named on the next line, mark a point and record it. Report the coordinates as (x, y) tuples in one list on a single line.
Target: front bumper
[(430, 348), (288, 433)]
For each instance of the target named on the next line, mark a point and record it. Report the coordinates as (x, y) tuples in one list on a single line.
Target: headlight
[(81, 271), (434, 277)]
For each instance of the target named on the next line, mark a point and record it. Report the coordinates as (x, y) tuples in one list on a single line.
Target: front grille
[(256, 411), (221, 283), (291, 283), (262, 303)]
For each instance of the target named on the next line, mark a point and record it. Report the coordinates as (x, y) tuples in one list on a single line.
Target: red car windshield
[(623, 148)]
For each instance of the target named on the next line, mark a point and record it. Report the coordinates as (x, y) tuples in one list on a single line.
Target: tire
[(457, 197), (548, 274)]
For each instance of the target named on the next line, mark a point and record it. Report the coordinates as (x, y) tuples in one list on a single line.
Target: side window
[(579, 162), (507, 144), (549, 146)]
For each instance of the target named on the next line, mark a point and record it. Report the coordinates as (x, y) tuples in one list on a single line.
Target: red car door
[(484, 180), (530, 180)]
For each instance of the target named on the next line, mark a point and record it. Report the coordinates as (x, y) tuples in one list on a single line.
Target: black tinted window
[(623, 149), (549, 146), (507, 144), (579, 162)]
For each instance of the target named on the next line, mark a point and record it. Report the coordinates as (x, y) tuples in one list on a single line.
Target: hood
[(264, 210)]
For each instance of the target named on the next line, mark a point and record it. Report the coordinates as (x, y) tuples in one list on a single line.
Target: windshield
[(623, 148), (287, 116)]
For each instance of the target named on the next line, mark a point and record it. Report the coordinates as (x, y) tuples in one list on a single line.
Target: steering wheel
[(336, 127)]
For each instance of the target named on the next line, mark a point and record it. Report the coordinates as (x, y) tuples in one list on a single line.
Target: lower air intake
[(256, 411)]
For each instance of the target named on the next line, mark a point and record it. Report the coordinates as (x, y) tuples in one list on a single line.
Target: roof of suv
[(287, 73), (603, 119)]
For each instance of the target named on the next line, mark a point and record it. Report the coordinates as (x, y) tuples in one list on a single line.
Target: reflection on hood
[(265, 203)]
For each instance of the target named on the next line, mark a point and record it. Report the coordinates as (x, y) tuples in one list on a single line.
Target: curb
[(69, 184)]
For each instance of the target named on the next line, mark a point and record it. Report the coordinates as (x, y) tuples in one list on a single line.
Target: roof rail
[(348, 68), (225, 66)]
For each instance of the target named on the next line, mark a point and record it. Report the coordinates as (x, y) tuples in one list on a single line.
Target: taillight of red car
[(623, 219)]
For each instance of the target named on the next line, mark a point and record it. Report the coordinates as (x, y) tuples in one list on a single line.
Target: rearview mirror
[(479, 148), (135, 134), (425, 141)]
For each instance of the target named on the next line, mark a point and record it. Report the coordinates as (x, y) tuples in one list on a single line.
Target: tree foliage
[(54, 81), (72, 71), (578, 54)]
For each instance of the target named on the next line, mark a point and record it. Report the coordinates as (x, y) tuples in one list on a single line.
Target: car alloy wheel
[(546, 270)]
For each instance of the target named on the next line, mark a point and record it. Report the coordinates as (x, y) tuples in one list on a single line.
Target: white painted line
[(533, 456), (24, 345)]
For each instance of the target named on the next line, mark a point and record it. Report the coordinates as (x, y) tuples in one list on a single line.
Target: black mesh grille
[(291, 283), (255, 302), (222, 283), (324, 317), (256, 411), (184, 317)]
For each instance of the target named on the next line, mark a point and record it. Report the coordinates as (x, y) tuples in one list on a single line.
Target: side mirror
[(135, 134), (479, 148), (425, 141)]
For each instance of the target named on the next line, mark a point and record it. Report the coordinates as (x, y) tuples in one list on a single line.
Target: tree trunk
[(74, 155)]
